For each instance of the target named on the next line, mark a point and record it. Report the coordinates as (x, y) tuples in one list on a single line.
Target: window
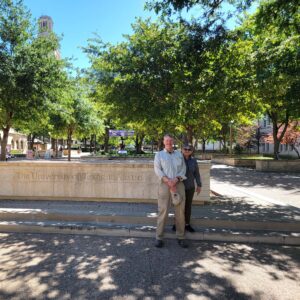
[(12, 144), (286, 148), (22, 145), (268, 147), (17, 145)]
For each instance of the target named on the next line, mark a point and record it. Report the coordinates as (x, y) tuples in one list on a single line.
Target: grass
[(260, 157), (115, 154), (255, 157), (14, 151)]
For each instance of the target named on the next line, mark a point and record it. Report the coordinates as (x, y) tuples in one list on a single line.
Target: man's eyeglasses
[(187, 149)]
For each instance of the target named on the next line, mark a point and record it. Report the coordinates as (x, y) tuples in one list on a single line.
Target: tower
[(45, 28), (45, 25)]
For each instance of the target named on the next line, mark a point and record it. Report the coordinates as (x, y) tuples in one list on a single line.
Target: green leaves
[(30, 74)]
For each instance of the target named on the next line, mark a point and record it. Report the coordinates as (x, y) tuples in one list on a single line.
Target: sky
[(77, 20)]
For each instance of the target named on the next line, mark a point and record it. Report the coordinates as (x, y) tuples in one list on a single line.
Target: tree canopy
[(30, 74)]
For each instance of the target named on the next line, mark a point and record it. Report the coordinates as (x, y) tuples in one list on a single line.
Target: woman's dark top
[(192, 173)]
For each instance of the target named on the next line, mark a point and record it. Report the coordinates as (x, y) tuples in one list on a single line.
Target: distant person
[(7, 155), (192, 174), (170, 168)]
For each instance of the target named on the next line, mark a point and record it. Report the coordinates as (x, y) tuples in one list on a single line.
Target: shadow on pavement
[(245, 177), (244, 210), (35, 266)]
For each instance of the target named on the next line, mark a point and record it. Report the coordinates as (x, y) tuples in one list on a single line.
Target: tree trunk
[(203, 145), (56, 148), (195, 144), (296, 150), (30, 140), (106, 139), (223, 143), (4, 143), (91, 141), (53, 143), (189, 132), (69, 141), (152, 146), (138, 143), (277, 139), (160, 144)]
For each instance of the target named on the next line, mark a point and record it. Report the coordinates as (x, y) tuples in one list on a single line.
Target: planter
[(235, 162), (278, 165), (127, 181)]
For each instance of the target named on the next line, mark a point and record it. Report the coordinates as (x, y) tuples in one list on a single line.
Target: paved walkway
[(44, 266), (266, 188), (235, 209), (54, 266)]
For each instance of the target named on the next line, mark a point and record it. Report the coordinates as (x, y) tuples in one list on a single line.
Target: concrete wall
[(236, 162), (132, 181), (278, 166)]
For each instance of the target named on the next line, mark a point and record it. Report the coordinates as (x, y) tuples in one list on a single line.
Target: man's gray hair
[(168, 135)]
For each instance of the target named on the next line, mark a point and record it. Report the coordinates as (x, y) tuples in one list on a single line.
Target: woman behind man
[(192, 174)]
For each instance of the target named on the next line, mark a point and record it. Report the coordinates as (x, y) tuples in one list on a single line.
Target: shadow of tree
[(45, 266), (246, 177), (240, 209)]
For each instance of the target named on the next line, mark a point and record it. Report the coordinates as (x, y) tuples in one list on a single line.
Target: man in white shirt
[(170, 167)]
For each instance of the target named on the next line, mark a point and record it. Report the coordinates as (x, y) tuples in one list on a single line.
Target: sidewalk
[(83, 267), (236, 220), (106, 250), (281, 189)]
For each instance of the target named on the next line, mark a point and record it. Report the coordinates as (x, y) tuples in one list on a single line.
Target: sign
[(113, 132)]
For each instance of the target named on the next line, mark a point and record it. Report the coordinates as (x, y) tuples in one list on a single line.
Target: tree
[(29, 71), (275, 57), (246, 136), (291, 136), (133, 78), (75, 114), (210, 5)]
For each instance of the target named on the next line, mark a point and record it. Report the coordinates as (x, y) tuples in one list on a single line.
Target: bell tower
[(45, 25), (45, 28)]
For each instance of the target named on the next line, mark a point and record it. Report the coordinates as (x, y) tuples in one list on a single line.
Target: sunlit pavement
[(35, 266), (275, 188)]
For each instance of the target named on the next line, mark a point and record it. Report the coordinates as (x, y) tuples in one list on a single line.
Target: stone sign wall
[(111, 181)]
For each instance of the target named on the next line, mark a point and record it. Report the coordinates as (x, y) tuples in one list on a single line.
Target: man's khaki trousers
[(164, 203)]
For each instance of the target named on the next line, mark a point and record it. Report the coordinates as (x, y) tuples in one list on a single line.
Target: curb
[(234, 236), (36, 216)]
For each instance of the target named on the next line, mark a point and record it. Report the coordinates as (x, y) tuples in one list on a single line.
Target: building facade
[(266, 142), (16, 141)]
